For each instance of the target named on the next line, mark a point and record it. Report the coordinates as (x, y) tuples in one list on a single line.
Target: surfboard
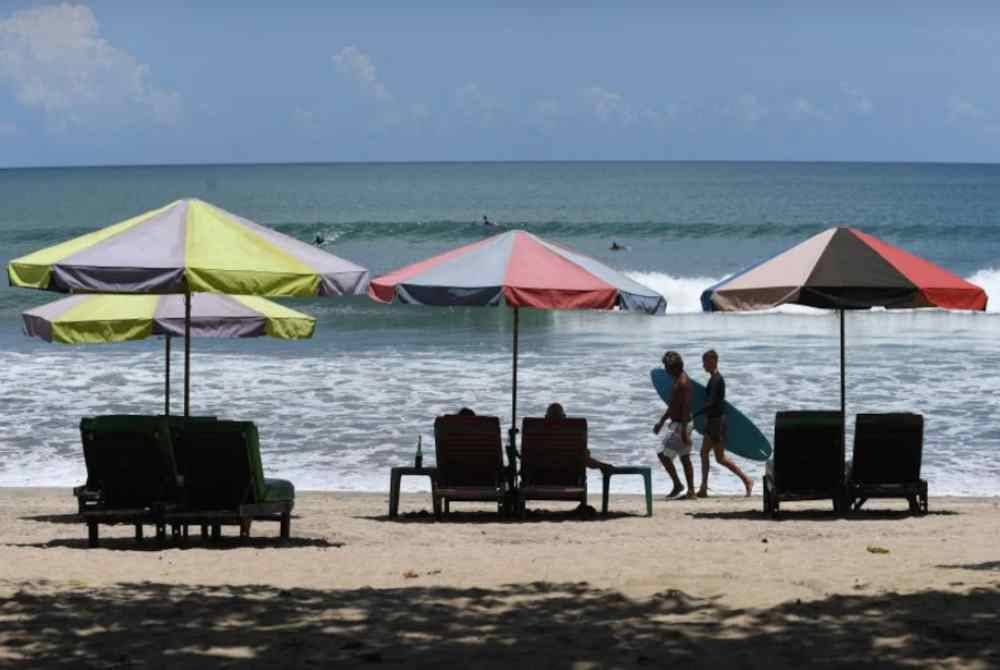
[(745, 439)]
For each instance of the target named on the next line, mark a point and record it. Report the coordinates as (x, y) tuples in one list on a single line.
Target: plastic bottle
[(418, 460)]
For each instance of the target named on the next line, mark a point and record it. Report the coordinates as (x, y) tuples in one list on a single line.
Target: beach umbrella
[(185, 247), (843, 269), (517, 269), (99, 318)]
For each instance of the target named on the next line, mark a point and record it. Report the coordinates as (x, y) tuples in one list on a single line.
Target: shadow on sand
[(551, 625)]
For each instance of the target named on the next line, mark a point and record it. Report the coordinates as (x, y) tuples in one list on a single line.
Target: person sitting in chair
[(555, 412)]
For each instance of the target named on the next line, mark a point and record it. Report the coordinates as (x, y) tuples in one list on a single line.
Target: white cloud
[(357, 65), (476, 104), (858, 101), (7, 128), (963, 109), (305, 118), (607, 105), (802, 109), (54, 59), (748, 109)]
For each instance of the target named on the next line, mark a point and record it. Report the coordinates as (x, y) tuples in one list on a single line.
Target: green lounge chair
[(131, 473), (888, 449), (807, 461), (469, 457), (224, 482), (553, 461)]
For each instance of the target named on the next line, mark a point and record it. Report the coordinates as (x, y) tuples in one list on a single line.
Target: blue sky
[(192, 82)]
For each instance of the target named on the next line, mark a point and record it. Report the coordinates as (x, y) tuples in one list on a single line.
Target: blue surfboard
[(745, 439)]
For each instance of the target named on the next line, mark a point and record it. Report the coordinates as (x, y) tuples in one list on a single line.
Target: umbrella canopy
[(185, 247), (84, 319), (97, 318), (518, 269), (188, 246), (842, 269)]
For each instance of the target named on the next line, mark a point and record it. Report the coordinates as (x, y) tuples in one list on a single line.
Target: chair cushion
[(278, 490)]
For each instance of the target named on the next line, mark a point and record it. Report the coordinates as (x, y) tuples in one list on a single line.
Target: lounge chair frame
[(888, 450), (469, 461), (553, 461), (797, 474)]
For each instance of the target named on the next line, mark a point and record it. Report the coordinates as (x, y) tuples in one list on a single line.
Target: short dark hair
[(673, 362), (465, 411), (555, 412), (711, 354)]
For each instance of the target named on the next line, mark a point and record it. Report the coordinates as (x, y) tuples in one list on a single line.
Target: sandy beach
[(707, 583)]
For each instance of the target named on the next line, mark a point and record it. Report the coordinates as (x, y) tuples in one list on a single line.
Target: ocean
[(335, 412)]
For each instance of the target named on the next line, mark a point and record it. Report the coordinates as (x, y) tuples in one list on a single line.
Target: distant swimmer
[(487, 222), (319, 240), (617, 247)]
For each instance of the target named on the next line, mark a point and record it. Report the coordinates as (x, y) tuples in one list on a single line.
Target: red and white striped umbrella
[(518, 269)]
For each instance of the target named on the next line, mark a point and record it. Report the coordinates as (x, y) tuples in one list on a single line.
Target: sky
[(110, 83)]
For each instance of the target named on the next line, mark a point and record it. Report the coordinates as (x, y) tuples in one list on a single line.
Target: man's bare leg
[(706, 448), (723, 460), (688, 475), (668, 465)]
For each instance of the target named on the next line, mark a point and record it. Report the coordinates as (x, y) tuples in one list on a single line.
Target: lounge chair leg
[(184, 531), (244, 529), (161, 532), (138, 532), (286, 526), (216, 532), (204, 531), (447, 506), (436, 503), (92, 533)]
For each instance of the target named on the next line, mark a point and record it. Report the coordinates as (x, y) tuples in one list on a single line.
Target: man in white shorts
[(677, 440)]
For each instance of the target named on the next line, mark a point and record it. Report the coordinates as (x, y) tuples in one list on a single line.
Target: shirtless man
[(677, 440)]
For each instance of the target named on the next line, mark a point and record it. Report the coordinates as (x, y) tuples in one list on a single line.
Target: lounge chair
[(553, 461), (886, 462), (131, 474), (808, 453), (469, 458), (224, 483)]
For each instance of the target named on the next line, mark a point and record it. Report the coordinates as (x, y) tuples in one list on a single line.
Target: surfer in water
[(319, 240), (677, 441), (715, 425), (487, 222), (617, 247)]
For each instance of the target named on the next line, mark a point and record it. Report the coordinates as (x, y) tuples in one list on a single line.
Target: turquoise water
[(337, 410)]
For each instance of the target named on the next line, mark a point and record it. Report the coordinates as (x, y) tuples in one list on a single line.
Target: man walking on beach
[(715, 424), (677, 441)]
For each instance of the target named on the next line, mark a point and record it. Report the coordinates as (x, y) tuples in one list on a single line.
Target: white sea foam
[(989, 279), (339, 416)]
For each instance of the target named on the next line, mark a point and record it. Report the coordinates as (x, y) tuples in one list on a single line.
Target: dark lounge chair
[(888, 449), (224, 482), (131, 474), (553, 460), (808, 452), (469, 458)]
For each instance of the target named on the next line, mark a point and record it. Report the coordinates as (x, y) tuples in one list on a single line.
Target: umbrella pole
[(513, 402), (843, 389), (166, 385), (187, 353)]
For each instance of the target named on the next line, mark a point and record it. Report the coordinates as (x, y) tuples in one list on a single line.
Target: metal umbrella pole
[(512, 433), (843, 389), (187, 353), (166, 385)]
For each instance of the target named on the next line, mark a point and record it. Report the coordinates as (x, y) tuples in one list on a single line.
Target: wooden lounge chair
[(806, 465), (553, 460), (131, 474), (224, 483), (888, 449), (469, 458)]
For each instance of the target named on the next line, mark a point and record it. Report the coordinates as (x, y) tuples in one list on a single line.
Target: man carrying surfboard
[(714, 410), (677, 441)]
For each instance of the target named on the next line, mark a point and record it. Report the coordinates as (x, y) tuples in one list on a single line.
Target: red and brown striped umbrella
[(842, 269)]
